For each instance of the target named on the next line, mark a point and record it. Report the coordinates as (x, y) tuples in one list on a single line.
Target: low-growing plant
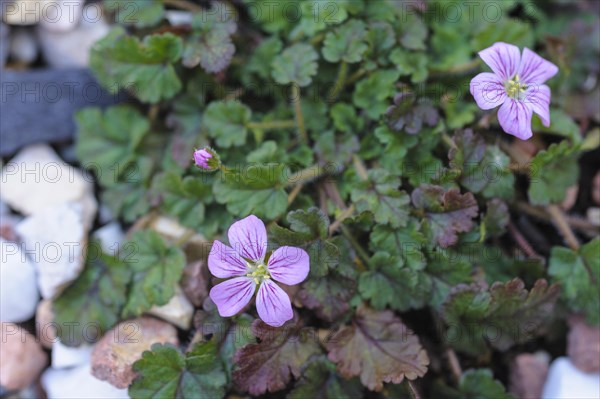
[(353, 131)]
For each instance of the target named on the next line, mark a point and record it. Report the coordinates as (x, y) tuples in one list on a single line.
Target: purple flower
[(245, 262), (516, 85), (202, 157)]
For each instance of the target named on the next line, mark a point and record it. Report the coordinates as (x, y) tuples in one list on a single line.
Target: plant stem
[(294, 193), (183, 5), (360, 168), (454, 364), (355, 76), (414, 394), (305, 175), (340, 219), (575, 223), (297, 100), (563, 226), (339, 83), (362, 254), (271, 124), (448, 141), (522, 242)]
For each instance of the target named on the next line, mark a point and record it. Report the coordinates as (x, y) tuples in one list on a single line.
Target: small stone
[(23, 45), (119, 348), (528, 373), (179, 17), (178, 311), (55, 241), (23, 12), (62, 15), (65, 356), (194, 282), (78, 383), (18, 286), (565, 381), (37, 179), (593, 215), (8, 222), (583, 345), (111, 237), (72, 48), (4, 43), (22, 357), (44, 324)]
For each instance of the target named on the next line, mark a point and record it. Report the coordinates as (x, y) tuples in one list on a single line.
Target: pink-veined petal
[(503, 58), (224, 261), (538, 98), (534, 69), (233, 295), (488, 90), (249, 238), (289, 265), (273, 304), (515, 118)]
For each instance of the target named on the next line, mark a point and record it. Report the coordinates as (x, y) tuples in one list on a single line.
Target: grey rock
[(38, 105)]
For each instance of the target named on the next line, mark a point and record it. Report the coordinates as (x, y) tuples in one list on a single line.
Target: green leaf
[(506, 30), (106, 141), (391, 284), (371, 93), (447, 212), (552, 172), (329, 288), (496, 218), (345, 118), (182, 198), (164, 372), (578, 273), (256, 189), (94, 298), (226, 122), (210, 43), (414, 32), (561, 124), (381, 196), (269, 365), (475, 382), (144, 68), (406, 243), (346, 43), (127, 199), (317, 15), (320, 381), (504, 315), (296, 64), (140, 13), (309, 230), (156, 269), (410, 63), (484, 169), (379, 348), (263, 55)]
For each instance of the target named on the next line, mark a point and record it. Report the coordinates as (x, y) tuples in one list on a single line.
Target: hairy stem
[(305, 175), (563, 226), (272, 124), (339, 83), (297, 101)]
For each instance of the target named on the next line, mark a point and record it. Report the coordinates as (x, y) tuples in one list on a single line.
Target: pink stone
[(22, 358)]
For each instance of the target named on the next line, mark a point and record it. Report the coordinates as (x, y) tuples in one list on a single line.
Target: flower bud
[(207, 159)]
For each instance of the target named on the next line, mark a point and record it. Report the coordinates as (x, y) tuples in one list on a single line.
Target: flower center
[(258, 271), (515, 88)]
